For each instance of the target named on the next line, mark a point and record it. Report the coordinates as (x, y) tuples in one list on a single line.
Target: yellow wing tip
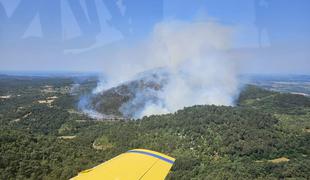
[(157, 154), (132, 163)]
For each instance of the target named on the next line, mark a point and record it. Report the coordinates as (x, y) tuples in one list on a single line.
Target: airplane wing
[(134, 164)]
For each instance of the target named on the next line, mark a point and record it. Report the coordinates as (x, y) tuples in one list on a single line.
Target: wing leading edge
[(134, 164)]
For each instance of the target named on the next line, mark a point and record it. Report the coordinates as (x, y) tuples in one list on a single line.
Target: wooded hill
[(266, 136)]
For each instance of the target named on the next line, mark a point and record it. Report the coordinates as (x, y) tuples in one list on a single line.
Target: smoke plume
[(194, 58)]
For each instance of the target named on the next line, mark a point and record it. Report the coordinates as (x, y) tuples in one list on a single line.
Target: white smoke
[(195, 55)]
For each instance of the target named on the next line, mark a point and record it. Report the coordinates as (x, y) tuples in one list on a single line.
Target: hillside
[(265, 137), (132, 96)]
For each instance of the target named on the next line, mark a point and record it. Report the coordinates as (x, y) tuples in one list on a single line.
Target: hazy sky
[(270, 36)]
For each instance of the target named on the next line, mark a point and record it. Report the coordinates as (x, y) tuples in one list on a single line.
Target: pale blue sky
[(45, 32)]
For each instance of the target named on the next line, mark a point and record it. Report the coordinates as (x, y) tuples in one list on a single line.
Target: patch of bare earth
[(279, 160), (48, 101), (26, 115), (16, 120), (5, 97), (73, 111), (275, 161), (66, 137), (48, 89), (101, 147)]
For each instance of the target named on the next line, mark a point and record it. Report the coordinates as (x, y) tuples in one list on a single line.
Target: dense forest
[(44, 136)]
